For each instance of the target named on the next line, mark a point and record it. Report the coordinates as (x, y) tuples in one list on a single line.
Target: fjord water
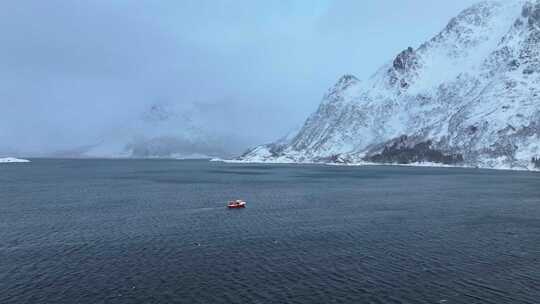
[(157, 231)]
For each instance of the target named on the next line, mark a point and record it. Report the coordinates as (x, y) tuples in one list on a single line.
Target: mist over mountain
[(468, 96), (78, 76), (164, 130)]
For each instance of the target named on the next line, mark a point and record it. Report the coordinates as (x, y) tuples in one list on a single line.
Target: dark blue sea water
[(141, 231)]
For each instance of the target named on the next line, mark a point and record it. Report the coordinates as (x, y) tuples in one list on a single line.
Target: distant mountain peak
[(346, 81), (338, 91)]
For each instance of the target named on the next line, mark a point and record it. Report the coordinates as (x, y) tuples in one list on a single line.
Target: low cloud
[(76, 74)]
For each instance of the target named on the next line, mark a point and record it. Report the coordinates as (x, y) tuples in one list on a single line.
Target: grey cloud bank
[(78, 74)]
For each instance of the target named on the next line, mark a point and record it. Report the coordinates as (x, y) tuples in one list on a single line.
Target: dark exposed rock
[(276, 150), (472, 129), (403, 71), (346, 80), (514, 64), (536, 162), (406, 60), (401, 151), (532, 13), (404, 84), (526, 11)]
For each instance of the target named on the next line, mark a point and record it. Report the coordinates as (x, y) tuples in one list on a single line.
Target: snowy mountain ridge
[(469, 96)]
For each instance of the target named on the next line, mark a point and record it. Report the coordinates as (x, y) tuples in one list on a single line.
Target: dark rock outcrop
[(401, 151), (406, 60), (536, 162)]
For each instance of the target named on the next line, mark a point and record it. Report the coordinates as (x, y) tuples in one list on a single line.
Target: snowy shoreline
[(363, 164), (13, 160)]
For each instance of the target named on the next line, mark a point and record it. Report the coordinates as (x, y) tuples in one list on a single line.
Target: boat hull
[(236, 205)]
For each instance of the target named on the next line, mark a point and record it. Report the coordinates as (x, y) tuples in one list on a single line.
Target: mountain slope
[(468, 96), (161, 130)]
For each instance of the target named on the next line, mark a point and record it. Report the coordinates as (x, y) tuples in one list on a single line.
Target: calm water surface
[(129, 231)]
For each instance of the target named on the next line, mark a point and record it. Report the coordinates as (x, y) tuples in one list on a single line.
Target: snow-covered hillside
[(469, 96)]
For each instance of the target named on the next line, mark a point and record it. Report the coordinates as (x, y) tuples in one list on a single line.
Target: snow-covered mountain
[(469, 96), (161, 130)]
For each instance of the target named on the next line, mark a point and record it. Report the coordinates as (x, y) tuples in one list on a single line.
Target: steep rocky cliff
[(469, 96)]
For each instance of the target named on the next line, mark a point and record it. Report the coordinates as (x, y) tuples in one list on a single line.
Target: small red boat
[(236, 204)]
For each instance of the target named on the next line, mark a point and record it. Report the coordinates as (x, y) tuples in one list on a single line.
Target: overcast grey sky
[(73, 70)]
